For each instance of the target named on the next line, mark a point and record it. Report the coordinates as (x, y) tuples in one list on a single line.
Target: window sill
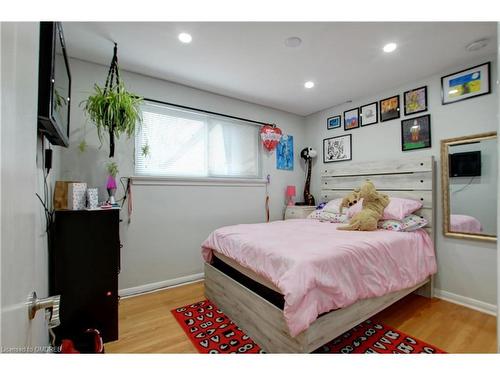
[(195, 181)]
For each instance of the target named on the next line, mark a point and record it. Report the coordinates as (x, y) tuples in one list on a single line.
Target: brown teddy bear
[(350, 200), (373, 205)]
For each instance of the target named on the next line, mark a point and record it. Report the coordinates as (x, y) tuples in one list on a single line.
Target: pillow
[(397, 209), (333, 206), (321, 206), (322, 215), (409, 224)]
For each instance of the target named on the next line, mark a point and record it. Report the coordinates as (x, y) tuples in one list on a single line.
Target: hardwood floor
[(147, 326), (451, 327)]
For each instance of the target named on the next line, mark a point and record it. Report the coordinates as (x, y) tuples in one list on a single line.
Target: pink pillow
[(397, 209)]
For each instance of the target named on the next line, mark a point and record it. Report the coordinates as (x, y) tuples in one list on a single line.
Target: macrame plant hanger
[(113, 74)]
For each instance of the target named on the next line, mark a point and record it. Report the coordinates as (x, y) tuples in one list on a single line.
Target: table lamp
[(111, 187), (290, 193)]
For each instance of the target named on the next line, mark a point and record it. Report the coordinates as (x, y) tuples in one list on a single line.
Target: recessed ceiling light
[(293, 41), (477, 45), (309, 84), (185, 37), (390, 47)]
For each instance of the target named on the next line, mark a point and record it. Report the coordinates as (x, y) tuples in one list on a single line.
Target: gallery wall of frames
[(415, 119), (469, 107)]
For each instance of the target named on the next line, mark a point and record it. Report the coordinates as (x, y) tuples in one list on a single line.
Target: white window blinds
[(180, 143)]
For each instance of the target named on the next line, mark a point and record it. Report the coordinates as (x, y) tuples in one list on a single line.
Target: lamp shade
[(290, 191)]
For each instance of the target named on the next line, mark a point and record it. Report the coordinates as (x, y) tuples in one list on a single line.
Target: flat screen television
[(465, 164), (54, 85)]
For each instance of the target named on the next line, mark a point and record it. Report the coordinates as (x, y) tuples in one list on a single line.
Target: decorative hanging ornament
[(270, 135)]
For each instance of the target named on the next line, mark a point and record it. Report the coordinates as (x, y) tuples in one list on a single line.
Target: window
[(186, 143)]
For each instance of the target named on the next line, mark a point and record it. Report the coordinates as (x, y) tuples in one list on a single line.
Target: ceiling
[(249, 60)]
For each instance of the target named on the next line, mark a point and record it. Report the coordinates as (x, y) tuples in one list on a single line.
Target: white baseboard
[(147, 288), (471, 303)]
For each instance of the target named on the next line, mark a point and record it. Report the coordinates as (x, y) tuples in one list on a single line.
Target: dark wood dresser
[(84, 263)]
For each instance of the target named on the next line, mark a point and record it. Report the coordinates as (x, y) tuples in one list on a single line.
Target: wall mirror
[(469, 186)]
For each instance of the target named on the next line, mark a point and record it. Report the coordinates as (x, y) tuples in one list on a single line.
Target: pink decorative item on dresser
[(111, 187), (290, 193)]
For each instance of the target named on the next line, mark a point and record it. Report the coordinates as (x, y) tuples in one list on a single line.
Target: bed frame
[(406, 178)]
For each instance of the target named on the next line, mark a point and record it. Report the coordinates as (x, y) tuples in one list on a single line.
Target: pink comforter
[(318, 268), (465, 223)]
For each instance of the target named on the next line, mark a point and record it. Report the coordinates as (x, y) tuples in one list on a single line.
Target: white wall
[(24, 243), (169, 222), (465, 268)]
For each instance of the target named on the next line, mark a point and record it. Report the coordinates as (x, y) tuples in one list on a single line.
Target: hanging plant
[(82, 146), (59, 100), (145, 150), (112, 108)]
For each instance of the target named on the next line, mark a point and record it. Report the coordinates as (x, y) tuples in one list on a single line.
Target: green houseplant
[(112, 108)]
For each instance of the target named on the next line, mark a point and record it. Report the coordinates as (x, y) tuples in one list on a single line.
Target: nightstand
[(298, 212)]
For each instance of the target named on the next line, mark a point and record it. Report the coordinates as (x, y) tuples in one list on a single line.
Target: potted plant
[(112, 108)]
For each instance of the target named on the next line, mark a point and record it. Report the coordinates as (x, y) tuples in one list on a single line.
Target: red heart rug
[(213, 332)]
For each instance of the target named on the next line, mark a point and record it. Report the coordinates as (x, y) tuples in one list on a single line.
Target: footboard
[(266, 325)]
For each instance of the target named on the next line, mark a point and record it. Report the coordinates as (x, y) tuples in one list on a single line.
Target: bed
[(465, 224), (259, 299)]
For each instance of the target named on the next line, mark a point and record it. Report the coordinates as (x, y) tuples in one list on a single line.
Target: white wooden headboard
[(411, 178)]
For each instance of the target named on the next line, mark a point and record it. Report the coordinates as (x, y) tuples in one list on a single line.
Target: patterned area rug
[(213, 332)]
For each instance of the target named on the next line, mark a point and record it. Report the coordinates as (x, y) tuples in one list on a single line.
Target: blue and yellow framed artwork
[(333, 122), (284, 153), (466, 84)]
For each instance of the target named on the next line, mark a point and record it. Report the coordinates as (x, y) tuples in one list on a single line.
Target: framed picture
[(466, 84), (337, 148), (416, 133), (389, 108), (333, 122), (284, 153), (415, 100), (351, 119), (369, 114)]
